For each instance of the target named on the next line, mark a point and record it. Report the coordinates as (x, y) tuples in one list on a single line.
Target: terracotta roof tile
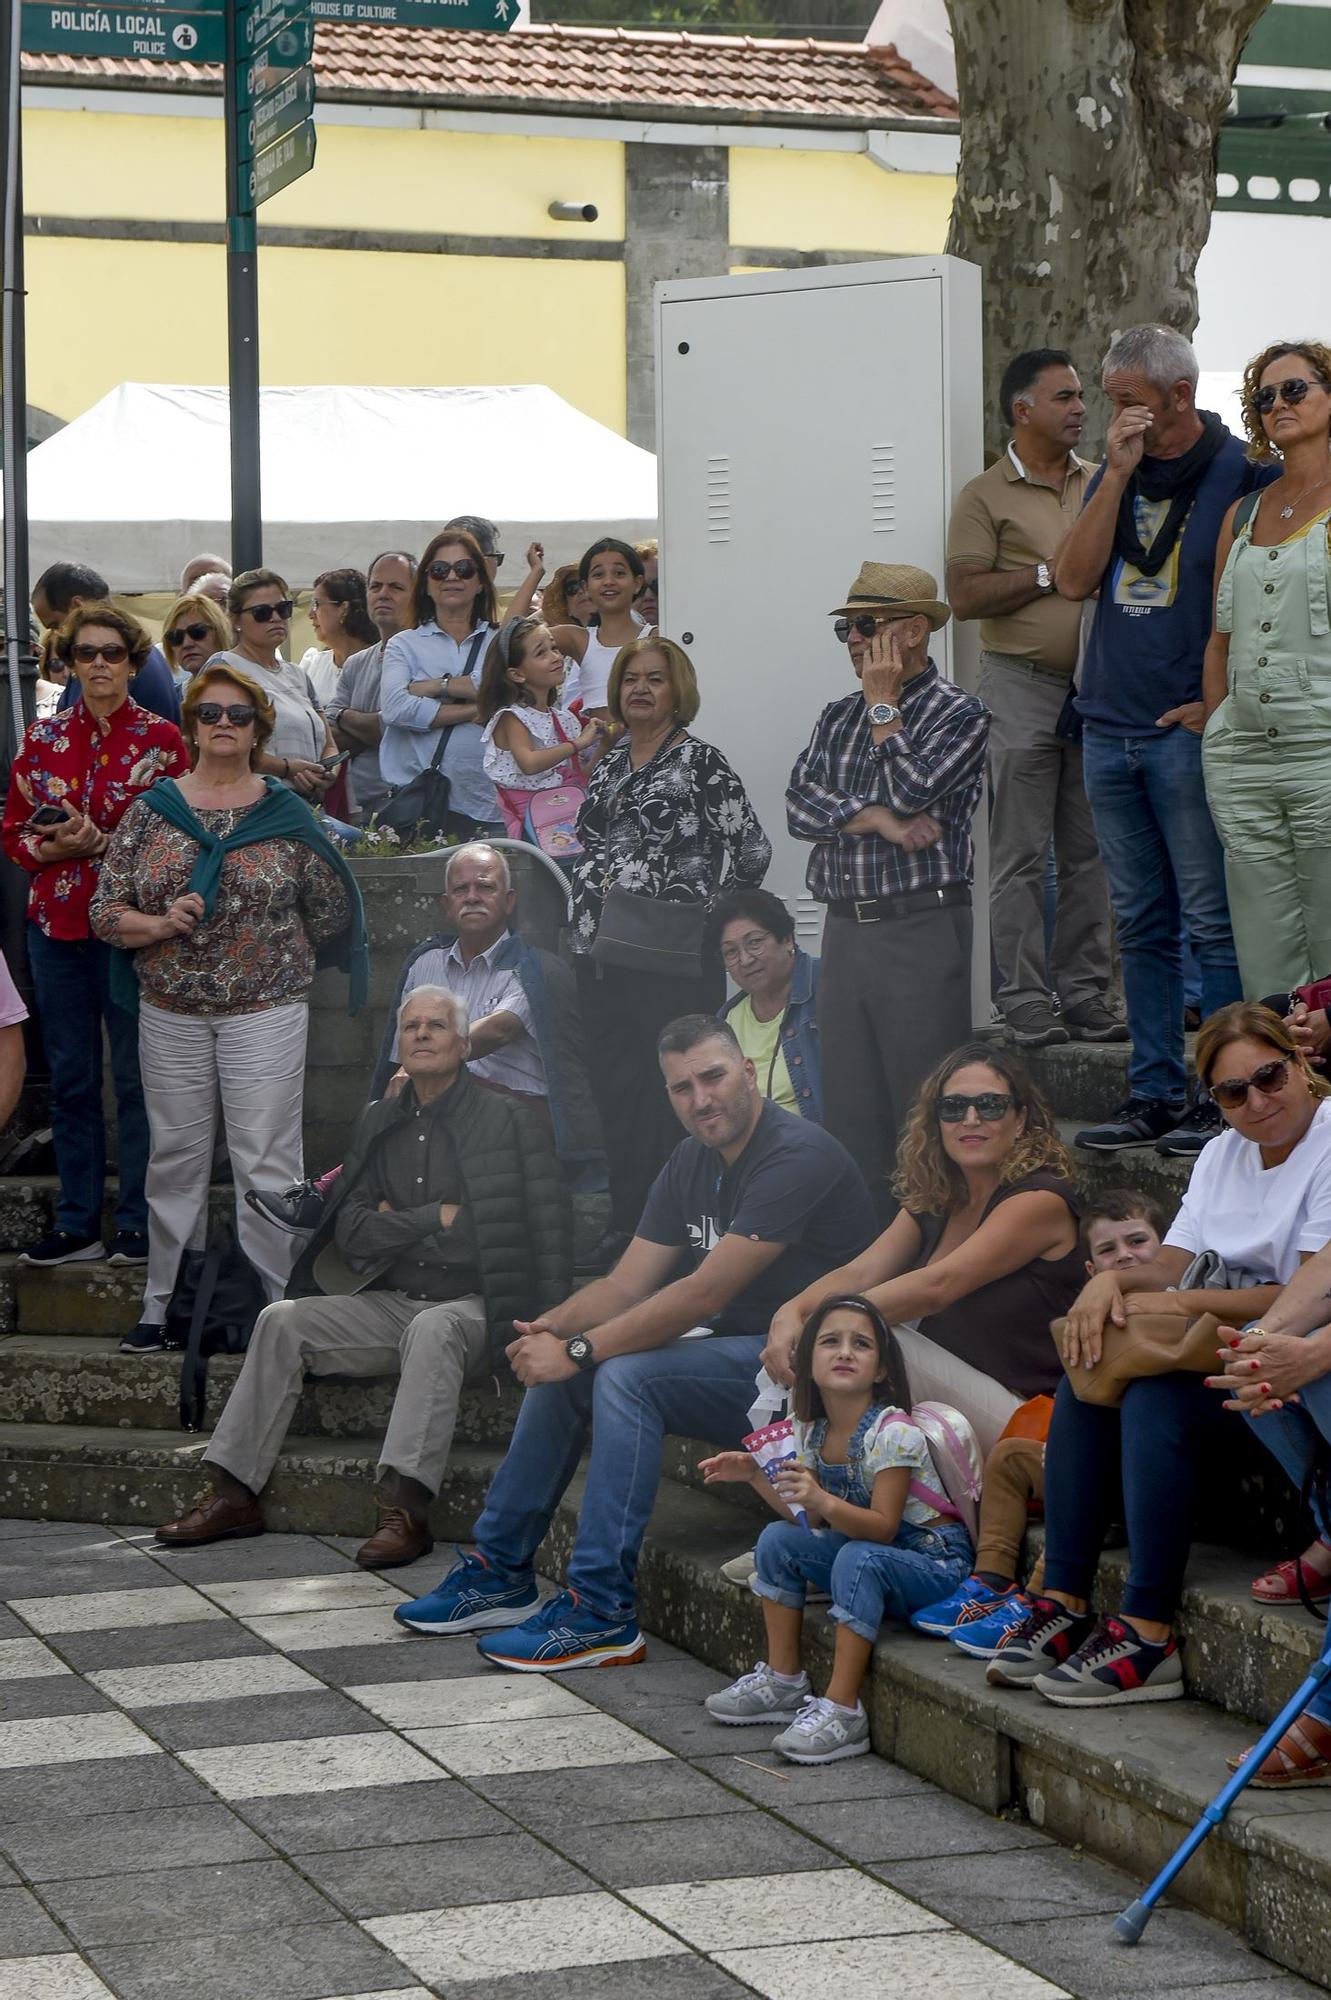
[(621, 71)]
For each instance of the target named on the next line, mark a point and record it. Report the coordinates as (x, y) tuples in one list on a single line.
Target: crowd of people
[(871, 1215)]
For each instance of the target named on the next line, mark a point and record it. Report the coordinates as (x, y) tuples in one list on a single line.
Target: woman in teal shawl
[(225, 894)]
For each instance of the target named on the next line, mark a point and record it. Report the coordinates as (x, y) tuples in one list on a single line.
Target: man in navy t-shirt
[(755, 1204), (1146, 542)]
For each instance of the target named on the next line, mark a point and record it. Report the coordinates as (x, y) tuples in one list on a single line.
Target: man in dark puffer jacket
[(450, 1221)]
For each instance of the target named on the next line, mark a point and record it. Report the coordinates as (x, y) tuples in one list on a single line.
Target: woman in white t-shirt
[(1260, 1197)]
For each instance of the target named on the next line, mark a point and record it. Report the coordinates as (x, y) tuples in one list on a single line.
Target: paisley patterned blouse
[(94, 765), (679, 828), (277, 903)]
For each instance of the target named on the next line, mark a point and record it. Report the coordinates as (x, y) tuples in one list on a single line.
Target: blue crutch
[(1129, 1927)]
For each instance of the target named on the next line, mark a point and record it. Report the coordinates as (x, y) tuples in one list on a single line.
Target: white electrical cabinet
[(807, 421)]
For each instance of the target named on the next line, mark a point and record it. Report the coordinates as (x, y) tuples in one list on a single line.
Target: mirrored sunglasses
[(237, 713)]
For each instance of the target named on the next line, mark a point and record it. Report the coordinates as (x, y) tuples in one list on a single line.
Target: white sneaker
[(759, 1697), (823, 1733)]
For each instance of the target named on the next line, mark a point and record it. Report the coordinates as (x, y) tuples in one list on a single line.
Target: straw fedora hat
[(895, 586)]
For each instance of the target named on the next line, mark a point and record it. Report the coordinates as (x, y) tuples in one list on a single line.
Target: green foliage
[(823, 19)]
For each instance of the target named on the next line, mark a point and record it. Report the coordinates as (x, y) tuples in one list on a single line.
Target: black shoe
[(130, 1247), (62, 1247), (1139, 1122), (1196, 1129), (298, 1209), (145, 1339), (1033, 1024), (1095, 1021)]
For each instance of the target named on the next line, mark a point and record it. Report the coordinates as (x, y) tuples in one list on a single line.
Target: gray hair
[(215, 585), (480, 847), (454, 1002), (1163, 356)]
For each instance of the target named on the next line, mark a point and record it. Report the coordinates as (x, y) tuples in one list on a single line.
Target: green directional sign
[(149, 34), (263, 20), (288, 50), (276, 112), (496, 16), (277, 166)]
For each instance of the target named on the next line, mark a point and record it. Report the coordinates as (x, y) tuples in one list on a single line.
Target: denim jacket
[(799, 1036)]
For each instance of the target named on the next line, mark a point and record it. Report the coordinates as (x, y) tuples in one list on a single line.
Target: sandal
[(1296, 1762), (1280, 1585)]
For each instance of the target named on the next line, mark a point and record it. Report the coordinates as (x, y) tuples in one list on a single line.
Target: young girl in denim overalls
[(871, 1540)]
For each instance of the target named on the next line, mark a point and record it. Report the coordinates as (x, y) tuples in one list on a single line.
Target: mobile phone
[(49, 816), (335, 763)]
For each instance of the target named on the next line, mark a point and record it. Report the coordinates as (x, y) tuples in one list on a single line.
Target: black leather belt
[(880, 909)]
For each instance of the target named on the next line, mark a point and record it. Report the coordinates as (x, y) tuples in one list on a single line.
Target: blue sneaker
[(560, 1635), (983, 1637), (970, 1600), (472, 1598)]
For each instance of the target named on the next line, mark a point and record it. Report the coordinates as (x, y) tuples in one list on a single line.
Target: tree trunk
[(1088, 140)]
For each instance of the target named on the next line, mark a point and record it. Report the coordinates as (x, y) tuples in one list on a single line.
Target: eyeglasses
[(238, 714), (1268, 1081), (178, 636), (990, 1104), (112, 654), (464, 568), (748, 947), (1291, 392), (263, 612)]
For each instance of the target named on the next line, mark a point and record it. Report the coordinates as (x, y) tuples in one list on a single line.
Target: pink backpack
[(551, 822), (957, 1460)]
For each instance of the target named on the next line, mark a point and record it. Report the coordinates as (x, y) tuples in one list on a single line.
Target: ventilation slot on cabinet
[(718, 499), (882, 489), (809, 914)]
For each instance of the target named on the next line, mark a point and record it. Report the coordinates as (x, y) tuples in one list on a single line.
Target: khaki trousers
[(1013, 1476), (436, 1348)]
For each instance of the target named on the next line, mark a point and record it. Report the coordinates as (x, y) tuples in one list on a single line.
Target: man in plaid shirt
[(886, 792)]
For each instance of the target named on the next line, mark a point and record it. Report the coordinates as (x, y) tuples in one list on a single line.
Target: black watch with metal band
[(580, 1351)]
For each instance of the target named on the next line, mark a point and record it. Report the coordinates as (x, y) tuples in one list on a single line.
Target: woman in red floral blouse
[(73, 778)]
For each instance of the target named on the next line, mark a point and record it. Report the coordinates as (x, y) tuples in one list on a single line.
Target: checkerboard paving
[(256, 1783)]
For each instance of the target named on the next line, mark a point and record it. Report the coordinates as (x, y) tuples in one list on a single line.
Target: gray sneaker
[(740, 1568), (759, 1697), (822, 1733)]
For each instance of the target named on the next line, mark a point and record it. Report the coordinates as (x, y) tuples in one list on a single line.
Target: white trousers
[(255, 1063)]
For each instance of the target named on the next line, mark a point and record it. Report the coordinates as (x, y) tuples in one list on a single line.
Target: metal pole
[(242, 310), (20, 662)]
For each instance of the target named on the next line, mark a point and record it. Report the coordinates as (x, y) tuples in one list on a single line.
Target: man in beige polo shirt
[(1005, 529)]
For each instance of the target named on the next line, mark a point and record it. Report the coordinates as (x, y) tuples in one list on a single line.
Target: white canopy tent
[(141, 482)]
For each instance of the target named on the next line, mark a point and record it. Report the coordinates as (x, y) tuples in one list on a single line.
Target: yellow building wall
[(783, 197)]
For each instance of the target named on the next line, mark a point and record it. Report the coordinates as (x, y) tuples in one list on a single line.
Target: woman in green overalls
[(1266, 752)]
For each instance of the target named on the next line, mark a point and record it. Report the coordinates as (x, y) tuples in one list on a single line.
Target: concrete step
[(96, 1298), (1122, 1784), (1084, 1080), (86, 1381), (27, 1208), (1139, 1167)]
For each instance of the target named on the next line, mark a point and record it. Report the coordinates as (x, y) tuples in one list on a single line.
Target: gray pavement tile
[(250, 1561), (376, 1816), (434, 1875), (15, 1530), (412, 1660), (678, 1978), (25, 1928), (546, 1801), (49, 1694), (907, 1829), (1287, 1987), (688, 1730), (110, 1784), (10, 1626), (1179, 1952), (299, 1962), (769, 1780), (76, 1577), (634, 1856), (186, 1902), (668, 1682), (64, 1847), (993, 1888), (8, 1879), (269, 1718), (159, 1645)]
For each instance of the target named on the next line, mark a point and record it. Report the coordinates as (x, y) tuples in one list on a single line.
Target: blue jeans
[(691, 1388), (1166, 868), (867, 1581), (1291, 1436), (71, 981)]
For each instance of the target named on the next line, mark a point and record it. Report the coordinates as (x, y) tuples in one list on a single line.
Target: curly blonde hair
[(1317, 357), (927, 1182)]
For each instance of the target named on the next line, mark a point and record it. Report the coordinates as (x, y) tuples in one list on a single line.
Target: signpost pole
[(242, 306), (20, 666)]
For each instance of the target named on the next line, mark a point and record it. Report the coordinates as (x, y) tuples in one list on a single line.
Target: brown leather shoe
[(213, 1520), (399, 1538)]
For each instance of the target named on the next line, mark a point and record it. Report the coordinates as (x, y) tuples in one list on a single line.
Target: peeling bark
[(1087, 176)]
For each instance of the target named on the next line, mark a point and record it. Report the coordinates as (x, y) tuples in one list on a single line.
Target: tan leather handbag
[(1150, 1344)]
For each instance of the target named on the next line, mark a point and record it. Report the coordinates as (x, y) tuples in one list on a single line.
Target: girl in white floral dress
[(531, 744)]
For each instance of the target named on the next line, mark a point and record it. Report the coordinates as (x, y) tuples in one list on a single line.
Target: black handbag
[(421, 806), (218, 1296), (643, 935)]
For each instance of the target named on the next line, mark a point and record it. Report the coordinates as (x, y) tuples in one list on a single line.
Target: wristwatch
[(580, 1351), (1043, 580), (882, 712)]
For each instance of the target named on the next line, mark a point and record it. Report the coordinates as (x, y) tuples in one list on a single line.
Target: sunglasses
[(238, 714), (113, 654), (1293, 391), (866, 623), (1269, 1081), (463, 568), (990, 1104), (183, 632), (263, 612)]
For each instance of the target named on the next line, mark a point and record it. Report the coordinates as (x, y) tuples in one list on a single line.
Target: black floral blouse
[(680, 828)]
